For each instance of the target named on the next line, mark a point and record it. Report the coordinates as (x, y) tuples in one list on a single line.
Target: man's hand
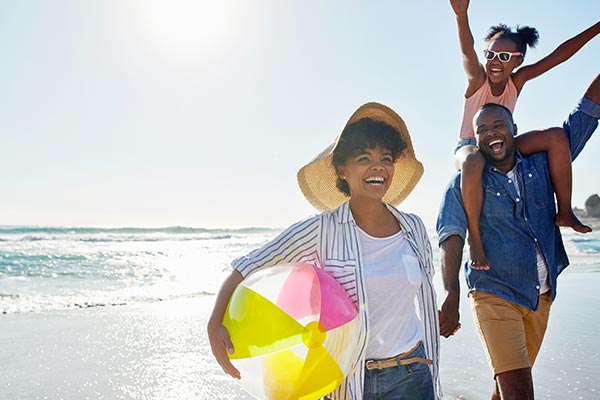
[(449, 315)]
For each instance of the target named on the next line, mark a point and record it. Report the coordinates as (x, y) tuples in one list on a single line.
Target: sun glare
[(188, 25)]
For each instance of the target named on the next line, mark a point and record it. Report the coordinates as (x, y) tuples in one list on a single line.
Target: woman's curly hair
[(364, 134)]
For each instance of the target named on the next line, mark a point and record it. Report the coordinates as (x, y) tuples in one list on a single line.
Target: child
[(497, 83)]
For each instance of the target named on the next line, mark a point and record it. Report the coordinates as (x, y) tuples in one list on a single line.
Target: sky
[(199, 113)]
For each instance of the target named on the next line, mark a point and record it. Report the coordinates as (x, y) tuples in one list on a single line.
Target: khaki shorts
[(512, 334)]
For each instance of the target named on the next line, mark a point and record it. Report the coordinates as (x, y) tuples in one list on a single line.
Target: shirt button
[(537, 287), (535, 240), (530, 175), (497, 193), (517, 199), (510, 181)]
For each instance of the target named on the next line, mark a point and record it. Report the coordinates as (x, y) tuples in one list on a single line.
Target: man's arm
[(451, 250)]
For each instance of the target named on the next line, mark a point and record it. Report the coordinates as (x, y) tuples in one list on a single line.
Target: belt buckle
[(371, 364), (381, 364)]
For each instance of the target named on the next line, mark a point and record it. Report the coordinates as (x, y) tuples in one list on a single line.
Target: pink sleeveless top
[(484, 95)]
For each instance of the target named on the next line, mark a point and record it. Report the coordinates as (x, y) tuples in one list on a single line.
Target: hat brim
[(317, 179)]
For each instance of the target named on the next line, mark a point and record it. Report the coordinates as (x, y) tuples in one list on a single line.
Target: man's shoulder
[(454, 179), (538, 161), (454, 182)]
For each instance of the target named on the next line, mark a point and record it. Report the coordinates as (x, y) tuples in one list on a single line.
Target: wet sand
[(160, 351)]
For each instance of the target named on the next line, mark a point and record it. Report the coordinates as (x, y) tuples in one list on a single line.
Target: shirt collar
[(400, 217), (344, 215), (518, 159)]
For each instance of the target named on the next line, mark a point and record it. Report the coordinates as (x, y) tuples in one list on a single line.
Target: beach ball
[(291, 327)]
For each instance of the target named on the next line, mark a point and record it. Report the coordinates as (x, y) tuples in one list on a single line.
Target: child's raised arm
[(473, 69), (561, 54)]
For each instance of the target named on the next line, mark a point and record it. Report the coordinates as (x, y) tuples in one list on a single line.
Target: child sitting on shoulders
[(498, 82)]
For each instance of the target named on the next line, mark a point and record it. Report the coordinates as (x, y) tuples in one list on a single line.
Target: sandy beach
[(160, 351), (146, 144), (568, 364), (146, 351)]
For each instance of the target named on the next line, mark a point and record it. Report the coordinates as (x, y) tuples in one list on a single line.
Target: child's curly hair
[(523, 36)]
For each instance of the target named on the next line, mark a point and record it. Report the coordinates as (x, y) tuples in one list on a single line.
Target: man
[(511, 299)]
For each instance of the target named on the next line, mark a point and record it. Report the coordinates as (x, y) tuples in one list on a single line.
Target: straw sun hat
[(317, 179)]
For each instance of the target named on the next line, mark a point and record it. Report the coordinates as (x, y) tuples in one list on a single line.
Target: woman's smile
[(369, 172)]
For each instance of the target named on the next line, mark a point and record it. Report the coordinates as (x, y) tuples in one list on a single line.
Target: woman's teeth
[(376, 180)]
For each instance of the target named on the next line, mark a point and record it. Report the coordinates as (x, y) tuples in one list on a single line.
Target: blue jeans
[(581, 124), (412, 381), (465, 142)]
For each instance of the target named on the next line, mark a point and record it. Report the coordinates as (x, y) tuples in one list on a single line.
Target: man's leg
[(496, 391), (536, 324), (503, 333), (515, 385), (518, 384)]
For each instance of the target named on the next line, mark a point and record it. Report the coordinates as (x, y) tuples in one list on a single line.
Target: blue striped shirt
[(330, 241)]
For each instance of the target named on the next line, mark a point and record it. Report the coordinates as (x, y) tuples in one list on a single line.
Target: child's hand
[(459, 6), (479, 265)]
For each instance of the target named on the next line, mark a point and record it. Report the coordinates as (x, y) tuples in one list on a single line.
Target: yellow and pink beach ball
[(291, 327)]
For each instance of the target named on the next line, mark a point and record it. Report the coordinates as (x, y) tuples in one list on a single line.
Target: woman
[(381, 257)]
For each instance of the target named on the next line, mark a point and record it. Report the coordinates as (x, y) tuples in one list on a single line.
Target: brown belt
[(397, 360)]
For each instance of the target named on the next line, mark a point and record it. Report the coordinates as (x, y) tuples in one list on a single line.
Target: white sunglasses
[(503, 56)]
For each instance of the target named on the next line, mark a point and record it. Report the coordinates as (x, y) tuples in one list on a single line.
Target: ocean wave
[(16, 303), (13, 296), (578, 244), (100, 235), (175, 230), (148, 239), (31, 238)]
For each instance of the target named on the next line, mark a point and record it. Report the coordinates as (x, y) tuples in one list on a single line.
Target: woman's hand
[(220, 344)]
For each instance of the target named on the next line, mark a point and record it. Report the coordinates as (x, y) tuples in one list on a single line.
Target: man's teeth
[(496, 145)]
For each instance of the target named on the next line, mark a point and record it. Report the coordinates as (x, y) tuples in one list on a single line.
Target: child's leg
[(464, 148), (472, 198), (555, 142)]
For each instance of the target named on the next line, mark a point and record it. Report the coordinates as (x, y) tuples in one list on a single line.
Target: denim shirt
[(513, 225)]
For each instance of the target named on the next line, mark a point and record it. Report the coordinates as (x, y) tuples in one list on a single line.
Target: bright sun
[(187, 24)]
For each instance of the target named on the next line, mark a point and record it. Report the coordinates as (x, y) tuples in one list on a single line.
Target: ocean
[(44, 269), (48, 268)]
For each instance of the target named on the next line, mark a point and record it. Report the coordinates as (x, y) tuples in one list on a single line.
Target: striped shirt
[(330, 241)]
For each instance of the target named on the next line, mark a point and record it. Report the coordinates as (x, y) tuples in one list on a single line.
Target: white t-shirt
[(393, 277)]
